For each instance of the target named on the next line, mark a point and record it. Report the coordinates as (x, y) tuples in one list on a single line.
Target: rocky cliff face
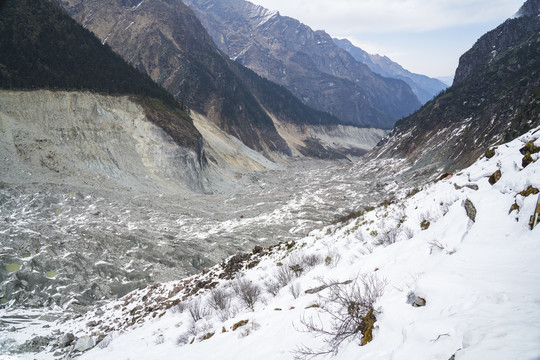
[(529, 8), (425, 88), (67, 138), (510, 34), (165, 40), (495, 97), (306, 62)]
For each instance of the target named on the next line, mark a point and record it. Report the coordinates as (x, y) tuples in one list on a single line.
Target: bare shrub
[(294, 289), (332, 258), (180, 307), (197, 310), (297, 269), (248, 292), (160, 339), (220, 301), (409, 233), (311, 260), (188, 336), (351, 312), (108, 339), (284, 275), (183, 339), (272, 287), (387, 236)]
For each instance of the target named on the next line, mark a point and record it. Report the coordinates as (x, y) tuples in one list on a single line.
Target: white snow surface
[(480, 280)]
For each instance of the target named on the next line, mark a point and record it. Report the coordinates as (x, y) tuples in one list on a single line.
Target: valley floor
[(461, 248)]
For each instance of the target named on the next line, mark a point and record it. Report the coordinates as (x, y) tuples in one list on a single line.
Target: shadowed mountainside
[(306, 62), (495, 97)]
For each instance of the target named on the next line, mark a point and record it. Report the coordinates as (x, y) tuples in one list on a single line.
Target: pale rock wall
[(87, 139)]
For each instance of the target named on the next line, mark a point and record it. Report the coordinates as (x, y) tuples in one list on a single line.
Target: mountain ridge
[(494, 98), (423, 86), (307, 62), (167, 41)]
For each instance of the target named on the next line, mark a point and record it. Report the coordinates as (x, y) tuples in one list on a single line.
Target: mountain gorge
[(494, 98), (200, 222), (106, 181), (165, 40), (306, 62)]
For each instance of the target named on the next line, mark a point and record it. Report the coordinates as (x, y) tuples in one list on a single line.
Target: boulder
[(66, 340), (85, 343), (470, 209)]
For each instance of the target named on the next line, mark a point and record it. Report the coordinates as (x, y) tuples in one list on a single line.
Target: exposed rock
[(239, 324), (66, 340), (514, 206), (35, 344), (325, 286), (419, 302), (470, 186), (529, 148), (234, 264), (84, 343), (317, 289), (135, 309), (206, 337), (444, 176), (368, 322), (527, 160), (496, 176), (470, 209), (490, 153), (531, 190)]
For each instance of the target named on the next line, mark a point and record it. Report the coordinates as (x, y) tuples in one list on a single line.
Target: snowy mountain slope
[(461, 244)]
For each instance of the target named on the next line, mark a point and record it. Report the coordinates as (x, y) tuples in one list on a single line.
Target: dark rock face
[(306, 62), (425, 88), (511, 33), (42, 47), (495, 98), (165, 40), (530, 8), (470, 209)]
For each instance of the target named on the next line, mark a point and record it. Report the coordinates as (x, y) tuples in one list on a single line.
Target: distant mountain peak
[(529, 8), (425, 88), (306, 62)]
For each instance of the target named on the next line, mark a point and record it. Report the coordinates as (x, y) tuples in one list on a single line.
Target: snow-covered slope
[(461, 247)]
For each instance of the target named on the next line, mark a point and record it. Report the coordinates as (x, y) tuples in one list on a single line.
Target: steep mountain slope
[(306, 62), (495, 97), (530, 8), (165, 39), (424, 87), (410, 279), (42, 47)]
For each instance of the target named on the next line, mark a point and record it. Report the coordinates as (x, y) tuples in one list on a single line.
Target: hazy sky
[(424, 36)]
